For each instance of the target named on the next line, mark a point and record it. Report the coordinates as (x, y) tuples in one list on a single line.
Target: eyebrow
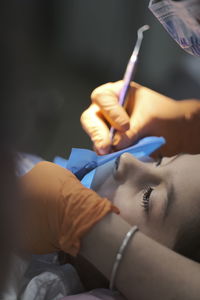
[(170, 191), (171, 160), (170, 200)]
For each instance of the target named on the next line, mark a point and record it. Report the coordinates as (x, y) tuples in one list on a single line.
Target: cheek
[(107, 189), (129, 204)]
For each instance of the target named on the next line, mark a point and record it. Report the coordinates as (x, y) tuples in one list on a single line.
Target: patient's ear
[(90, 277)]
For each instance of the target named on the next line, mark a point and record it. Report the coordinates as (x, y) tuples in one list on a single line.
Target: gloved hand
[(57, 210), (148, 113)]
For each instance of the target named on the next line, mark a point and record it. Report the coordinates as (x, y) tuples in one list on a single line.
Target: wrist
[(102, 242)]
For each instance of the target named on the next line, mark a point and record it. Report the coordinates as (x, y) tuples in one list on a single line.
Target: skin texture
[(148, 269), (147, 113), (173, 203)]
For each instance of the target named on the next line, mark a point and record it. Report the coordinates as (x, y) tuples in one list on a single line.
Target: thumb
[(136, 132), (125, 139)]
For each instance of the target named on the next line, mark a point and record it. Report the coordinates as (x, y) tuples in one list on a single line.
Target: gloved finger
[(139, 128), (106, 98), (126, 139), (95, 126), (138, 122)]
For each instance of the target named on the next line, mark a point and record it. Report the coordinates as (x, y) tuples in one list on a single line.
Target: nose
[(127, 160), (131, 168)]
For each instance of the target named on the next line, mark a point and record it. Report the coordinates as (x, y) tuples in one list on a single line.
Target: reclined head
[(163, 198)]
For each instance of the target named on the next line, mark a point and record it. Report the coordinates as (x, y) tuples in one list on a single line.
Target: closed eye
[(146, 198)]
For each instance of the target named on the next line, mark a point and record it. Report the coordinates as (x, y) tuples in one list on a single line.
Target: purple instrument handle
[(130, 70), (131, 67)]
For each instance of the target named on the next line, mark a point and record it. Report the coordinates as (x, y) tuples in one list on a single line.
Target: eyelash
[(147, 191), (146, 197)]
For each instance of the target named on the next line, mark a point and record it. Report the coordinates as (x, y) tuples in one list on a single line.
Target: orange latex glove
[(147, 113), (57, 210)]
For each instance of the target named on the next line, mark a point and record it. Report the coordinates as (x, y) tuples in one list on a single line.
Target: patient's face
[(161, 199)]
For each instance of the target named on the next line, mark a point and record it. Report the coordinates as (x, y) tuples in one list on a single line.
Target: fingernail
[(125, 125), (101, 151), (116, 139)]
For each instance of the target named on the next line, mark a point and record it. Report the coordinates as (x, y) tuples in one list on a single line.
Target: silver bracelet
[(119, 255)]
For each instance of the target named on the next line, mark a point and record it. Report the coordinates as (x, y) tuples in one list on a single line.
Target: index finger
[(106, 97)]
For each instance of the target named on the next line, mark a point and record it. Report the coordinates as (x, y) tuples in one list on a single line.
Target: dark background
[(58, 51)]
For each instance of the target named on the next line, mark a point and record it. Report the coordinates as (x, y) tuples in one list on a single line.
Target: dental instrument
[(130, 70)]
